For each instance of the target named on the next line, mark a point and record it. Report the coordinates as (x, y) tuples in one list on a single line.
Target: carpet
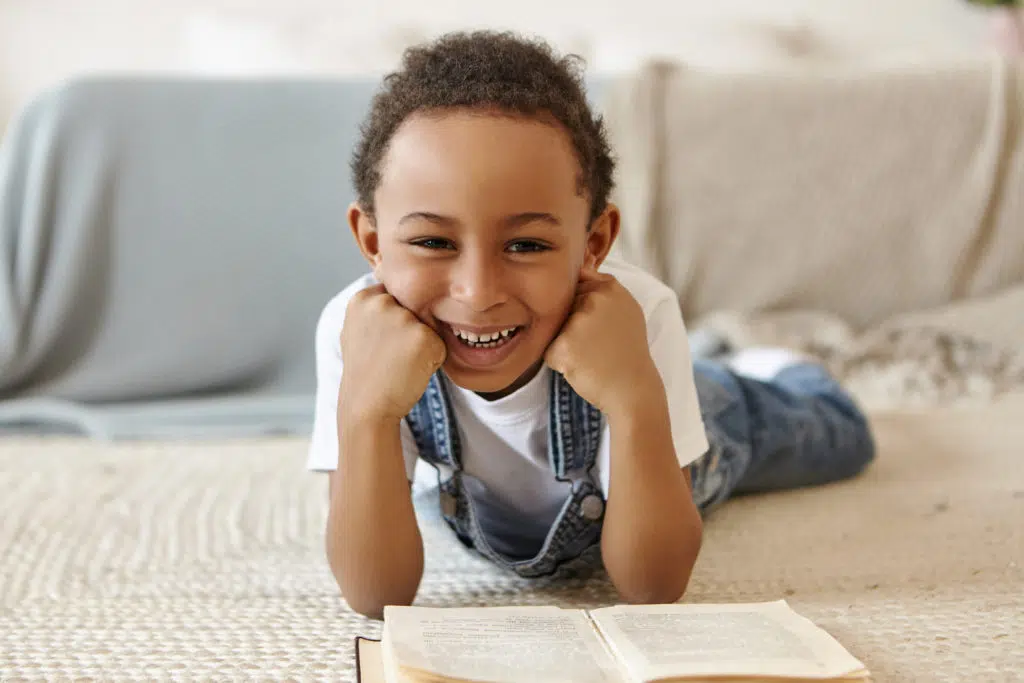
[(204, 560)]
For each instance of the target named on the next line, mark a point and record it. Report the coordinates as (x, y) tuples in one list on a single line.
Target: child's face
[(481, 231)]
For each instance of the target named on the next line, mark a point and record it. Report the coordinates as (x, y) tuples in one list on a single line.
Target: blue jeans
[(799, 429)]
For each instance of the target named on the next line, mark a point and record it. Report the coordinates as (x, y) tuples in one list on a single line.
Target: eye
[(433, 243), (527, 246)]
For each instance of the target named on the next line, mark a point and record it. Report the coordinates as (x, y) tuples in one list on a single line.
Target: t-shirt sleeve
[(323, 448), (670, 350)]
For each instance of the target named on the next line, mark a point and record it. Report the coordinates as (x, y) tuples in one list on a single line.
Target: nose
[(476, 282)]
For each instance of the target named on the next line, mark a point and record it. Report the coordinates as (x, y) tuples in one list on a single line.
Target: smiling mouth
[(485, 340)]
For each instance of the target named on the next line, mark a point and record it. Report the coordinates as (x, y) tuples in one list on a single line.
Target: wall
[(45, 41)]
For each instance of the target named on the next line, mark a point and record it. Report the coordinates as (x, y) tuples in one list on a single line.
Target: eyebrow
[(508, 222)]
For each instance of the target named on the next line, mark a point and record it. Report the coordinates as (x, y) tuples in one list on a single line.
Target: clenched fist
[(388, 355), (602, 349)]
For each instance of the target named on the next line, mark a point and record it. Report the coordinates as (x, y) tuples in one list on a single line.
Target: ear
[(364, 229), (601, 236)]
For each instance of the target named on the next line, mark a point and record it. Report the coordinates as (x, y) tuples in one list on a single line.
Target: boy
[(552, 389)]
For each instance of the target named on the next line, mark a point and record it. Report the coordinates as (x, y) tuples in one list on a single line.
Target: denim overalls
[(799, 429), (574, 437)]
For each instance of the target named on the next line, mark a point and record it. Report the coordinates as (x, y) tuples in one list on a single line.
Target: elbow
[(370, 607), (369, 594), (652, 596), (669, 588), (663, 576), (369, 583), (368, 590), (369, 597)]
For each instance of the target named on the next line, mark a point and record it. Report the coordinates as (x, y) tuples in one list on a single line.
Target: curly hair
[(487, 70)]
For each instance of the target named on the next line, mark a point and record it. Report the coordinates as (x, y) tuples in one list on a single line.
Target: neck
[(521, 382)]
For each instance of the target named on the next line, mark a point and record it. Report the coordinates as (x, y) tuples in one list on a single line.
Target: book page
[(512, 644), (760, 639)]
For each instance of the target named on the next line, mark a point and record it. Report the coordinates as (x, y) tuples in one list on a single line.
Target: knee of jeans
[(855, 444)]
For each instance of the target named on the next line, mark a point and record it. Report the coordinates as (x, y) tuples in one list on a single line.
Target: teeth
[(487, 340)]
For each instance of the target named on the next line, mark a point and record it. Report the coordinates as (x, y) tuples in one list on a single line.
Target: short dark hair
[(487, 70)]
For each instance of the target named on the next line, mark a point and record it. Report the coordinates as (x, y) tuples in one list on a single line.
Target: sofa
[(863, 214), (167, 245)]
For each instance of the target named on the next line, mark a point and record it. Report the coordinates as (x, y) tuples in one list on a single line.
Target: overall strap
[(574, 430), (432, 423)]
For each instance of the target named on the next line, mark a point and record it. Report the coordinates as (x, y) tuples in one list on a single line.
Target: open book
[(622, 644)]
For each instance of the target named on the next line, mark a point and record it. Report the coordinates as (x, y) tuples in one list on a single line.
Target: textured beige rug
[(204, 561)]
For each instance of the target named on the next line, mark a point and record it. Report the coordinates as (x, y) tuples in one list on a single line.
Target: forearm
[(373, 542), (652, 530)]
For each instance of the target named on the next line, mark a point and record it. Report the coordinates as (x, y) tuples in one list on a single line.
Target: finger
[(552, 361), (585, 297), (442, 354), (552, 356), (369, 292), (589, 273), (435, 365), (591, 280)]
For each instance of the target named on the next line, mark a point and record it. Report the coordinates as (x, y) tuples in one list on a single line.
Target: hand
[(388, 354), (602, 349)]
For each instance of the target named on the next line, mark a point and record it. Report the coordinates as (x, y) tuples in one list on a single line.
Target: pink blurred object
[(1008, 30)]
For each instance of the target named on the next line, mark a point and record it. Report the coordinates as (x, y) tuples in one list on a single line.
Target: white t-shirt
[(504, 442)]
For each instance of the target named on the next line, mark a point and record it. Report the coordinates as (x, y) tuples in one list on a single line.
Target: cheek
[(550, 299), (414, 285)]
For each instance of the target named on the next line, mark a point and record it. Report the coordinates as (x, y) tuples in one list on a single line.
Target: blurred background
[(45, 41), (174, 180)]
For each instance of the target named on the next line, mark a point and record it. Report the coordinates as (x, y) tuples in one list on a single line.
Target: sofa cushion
[(867, 192)]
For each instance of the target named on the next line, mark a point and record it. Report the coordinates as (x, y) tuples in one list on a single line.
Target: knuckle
[(424, 337), (365, 300), (421, 334), (353, 305), (383, 307)]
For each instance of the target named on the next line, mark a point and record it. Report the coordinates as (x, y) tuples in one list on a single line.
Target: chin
[(497, 383), (481, 382)]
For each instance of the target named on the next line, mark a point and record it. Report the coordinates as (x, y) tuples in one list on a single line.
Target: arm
[(652, 529), (373, 542), (374, 545)]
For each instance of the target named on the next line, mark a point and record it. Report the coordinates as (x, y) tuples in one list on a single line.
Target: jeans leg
[(799, 429)]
